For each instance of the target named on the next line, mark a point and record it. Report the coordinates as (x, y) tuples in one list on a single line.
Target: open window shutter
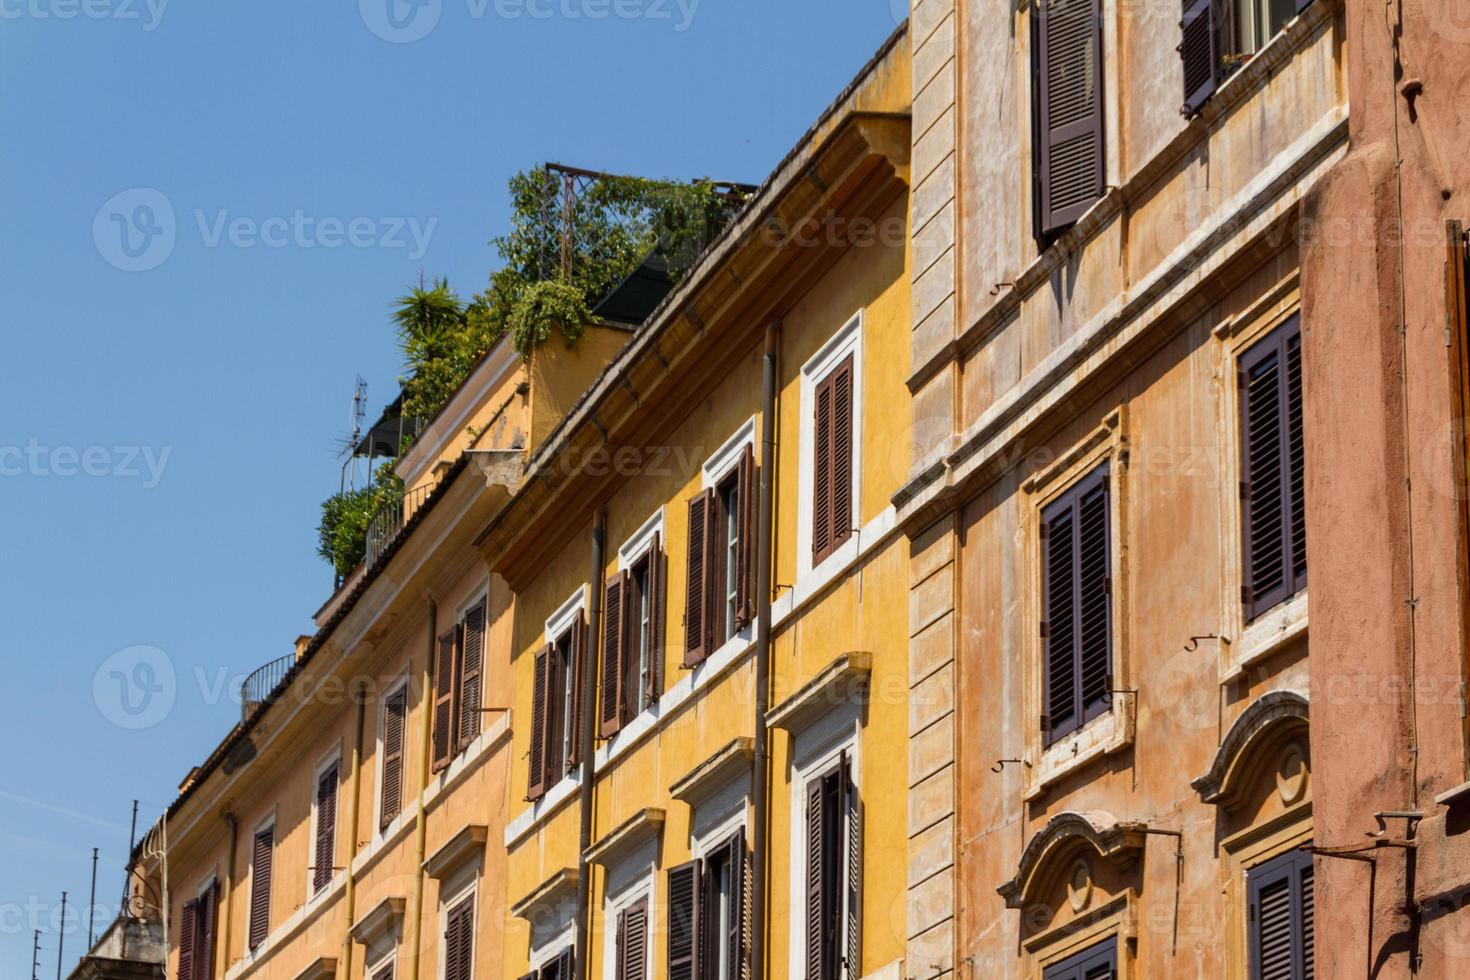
[(1280, 918), (1071, 152), (1094, 598), (610, 700), (395, 715), (564, 964), (816, 849), (574, 677), (740, 885), (853, 890), (326, 829), (655, 678), (207, 926), (444, 671), (697, 638), (472, 669), (1200, 52), (633, 942), (1265, 507), (745, 521), (188, 927), (843, 517), (260, 885), (1059, 628), (536, 785), (459, 941), (1296, 459), (685, 891), (822, 472)]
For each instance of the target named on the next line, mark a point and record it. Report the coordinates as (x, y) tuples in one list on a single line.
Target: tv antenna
[(359, 416)]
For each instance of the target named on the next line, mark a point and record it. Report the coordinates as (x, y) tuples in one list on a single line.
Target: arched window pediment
[(1049, 854), (1273, 716)]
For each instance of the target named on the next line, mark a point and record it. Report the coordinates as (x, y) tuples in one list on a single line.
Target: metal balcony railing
[(390, 520), (261, 683)]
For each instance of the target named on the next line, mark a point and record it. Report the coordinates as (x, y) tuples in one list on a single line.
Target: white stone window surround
[(333, 757), (398, 683), (848, 340), (463, 884), (558, 623), (722, 462), (628, 882), (267, 822), (640, 541)]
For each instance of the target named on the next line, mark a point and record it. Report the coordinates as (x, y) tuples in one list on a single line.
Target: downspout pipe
[(354, 813), (760, 761), (585, 743), (421, 818), (232, 822)]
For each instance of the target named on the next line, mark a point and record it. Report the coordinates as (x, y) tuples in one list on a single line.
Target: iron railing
[(390, 520), (261, 683)]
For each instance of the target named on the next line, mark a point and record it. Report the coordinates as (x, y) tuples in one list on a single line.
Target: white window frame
[(389, 958), (817, 752), (557, 623), (465, 884), (400, 682), (847, 340), (638, 546), (268, 821), (724, 460), (641, 886), (478, 594), (719, 833), (331, 758)]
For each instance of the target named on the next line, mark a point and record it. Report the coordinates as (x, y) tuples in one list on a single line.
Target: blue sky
[(207, 208)]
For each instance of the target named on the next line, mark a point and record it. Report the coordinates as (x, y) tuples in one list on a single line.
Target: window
[(383, 970), (1067, 85), (324, 815), (262, 855), (1222, 35), (1098, 962), (832, 427), (833, 863), (707, 935), (1077, 590), (196, 935), (1272, 488), (556, 713), (558, 967), (1280, 919), (459, 940), (632, 654), (720, 598), (458, 679), (395, 720), (632, 942)]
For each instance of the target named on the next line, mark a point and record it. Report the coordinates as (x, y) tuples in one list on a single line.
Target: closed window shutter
[(459, 940), (655, 679), (1099, 962), (574, 678), (822, 472), (745, 554), (1200, 52), (632, 946), (395, 715), (851, 808), (207, 925), (1069, 76), (740, 885), (262, 854), (188, 927), (698, 638), (540, 684), (326, 829), (1059, 628), (1280, 918), (685, 891), (832, 506), (472, 669), (614, 660), (1094, 600), (444, 700), (1273, 512), (816, 889)]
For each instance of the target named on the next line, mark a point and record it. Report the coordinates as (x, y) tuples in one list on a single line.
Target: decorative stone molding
[(467, 844), (383, 919), (645, 825), (1113, 840), (1265, 717), (561, 886), (324, 968), (722, 767), (843, 681)]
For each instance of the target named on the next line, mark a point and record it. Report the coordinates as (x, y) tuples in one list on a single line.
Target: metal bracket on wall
[(1000, 764)]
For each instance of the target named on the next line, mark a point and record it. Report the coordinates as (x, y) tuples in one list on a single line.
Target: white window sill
[(1267, 635), (1104, 735)]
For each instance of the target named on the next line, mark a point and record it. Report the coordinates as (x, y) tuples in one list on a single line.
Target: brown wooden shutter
[(1070, 80), (459, 940), (326, 829), (816, 882), (208, 924), (188, 930), (444, 700), (1094, 598), (698, 632), (262, 854), (833, 426), (632, 942), (1273, 512), (685, 892), (1059, 628), (822, 472), (472, 670), (1200, 52), (539, 750), (614, 656), (1302, 5), (655, 679), (1280, 917), (745, 492), (574, 678), (564, 963), (395, 717), (740, 884), (851, 808), (1296, 460)]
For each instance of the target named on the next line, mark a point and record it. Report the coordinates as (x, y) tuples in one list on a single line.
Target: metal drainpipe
[(233, 823), (760, 762), (589, 698), (421, 820), (354, 812)]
